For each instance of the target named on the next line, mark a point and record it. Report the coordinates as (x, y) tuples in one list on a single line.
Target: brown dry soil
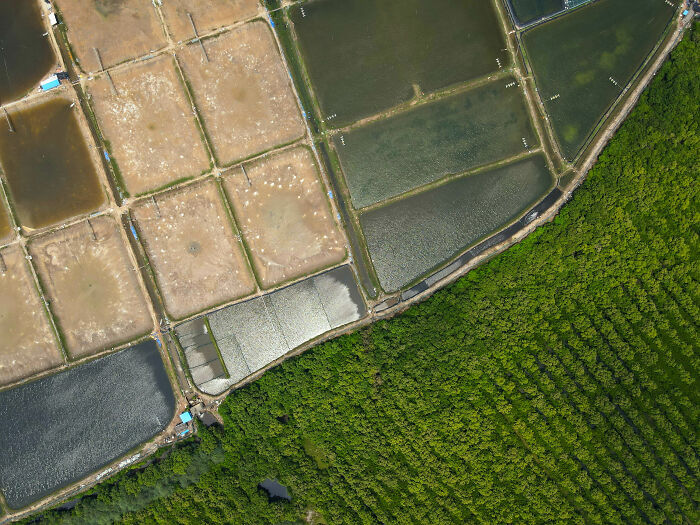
[(189, 239), (91, 286), (243, 92), (119, 29), (208, 15), (27, 344), (285, 216), (149, 125)]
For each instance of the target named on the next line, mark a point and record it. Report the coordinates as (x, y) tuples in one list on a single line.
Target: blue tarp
[(185, 417)]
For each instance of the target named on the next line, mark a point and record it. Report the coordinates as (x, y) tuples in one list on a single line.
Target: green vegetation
[(557, 383), (365, 56), (528, 10), (583, 60), (448, 136)]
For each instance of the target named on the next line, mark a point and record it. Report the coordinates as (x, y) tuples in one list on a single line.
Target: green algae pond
[(47, 164), (25, 53), (388, 157), (583, 60), (409, 237), (60, 428), (364, 56)]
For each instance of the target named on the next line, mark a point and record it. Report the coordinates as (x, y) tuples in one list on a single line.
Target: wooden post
[(102, 68), (196, 35), (246, 175), (3, 266), (9, 122), (155, 204), (92, 229)]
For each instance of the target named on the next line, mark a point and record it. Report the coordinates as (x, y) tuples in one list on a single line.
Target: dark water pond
[(583, 60), (365, 56), (391, 156), (529, 10), (59, 429), (25, 53), (49, 170), (275, 490), (409, 237)]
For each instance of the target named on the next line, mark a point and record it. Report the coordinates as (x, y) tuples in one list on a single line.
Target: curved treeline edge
[(557, 383)]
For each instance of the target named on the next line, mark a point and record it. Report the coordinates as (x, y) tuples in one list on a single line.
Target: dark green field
[(556, 384), (364, 56), (389, 157), (575, 57)]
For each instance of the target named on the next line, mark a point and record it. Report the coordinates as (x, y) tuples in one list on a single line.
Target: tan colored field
[(243, 92), (27, 343), (119, 29), (207, 15), (91, 285), (285, 217), (198, 261), (149, 124)]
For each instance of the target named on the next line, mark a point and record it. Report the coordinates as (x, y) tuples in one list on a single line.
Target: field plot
[(285, 216), (193, 250), (582, 61), (27, 345), (149, 125), (409, 237), (26, 53), (91, 286), (61, 428), (206, 14), (530, 10), (117, 29), (243, 92), (253, 334), (389, 157), (50, 171), (365, 56)]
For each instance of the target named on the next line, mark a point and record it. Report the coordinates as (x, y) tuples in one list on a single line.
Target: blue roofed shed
[(186, 417)]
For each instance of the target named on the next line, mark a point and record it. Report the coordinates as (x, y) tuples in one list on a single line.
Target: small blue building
[(186, 417)]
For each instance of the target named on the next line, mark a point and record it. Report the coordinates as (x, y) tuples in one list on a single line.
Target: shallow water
[(409, 237), (388, 157), (365, 56), (58, 429), (5, 226), (49, 170), (25, 53)]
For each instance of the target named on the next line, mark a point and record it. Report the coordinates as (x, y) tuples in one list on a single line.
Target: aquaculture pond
[(527, 11), (25, 53), (394, 155), (365, 56), (252, 334), (409, 237), (49, 170), (583, 60), (58, 429)]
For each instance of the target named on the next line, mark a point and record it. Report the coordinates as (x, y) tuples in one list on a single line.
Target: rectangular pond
[(60, 428), (527, 11), (365, 56), (252, 334), (388, 157), (49, 169), (583, 60), (26, 55), (409, 237)]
